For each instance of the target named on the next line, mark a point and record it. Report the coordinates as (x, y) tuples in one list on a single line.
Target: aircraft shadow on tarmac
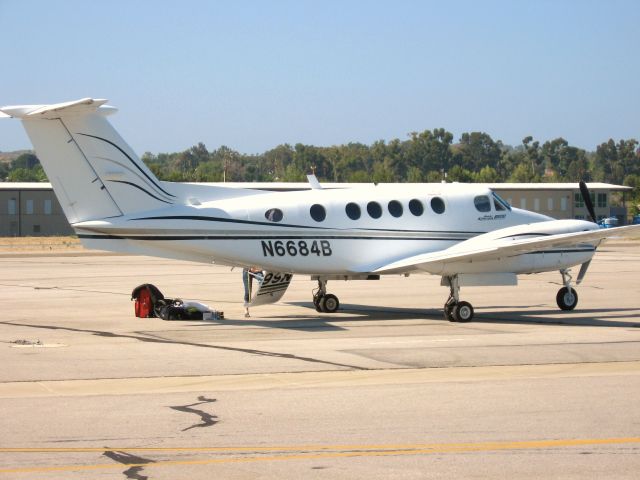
[(594, 317)]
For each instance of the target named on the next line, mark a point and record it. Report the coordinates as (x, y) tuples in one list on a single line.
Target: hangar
[(32, 209)]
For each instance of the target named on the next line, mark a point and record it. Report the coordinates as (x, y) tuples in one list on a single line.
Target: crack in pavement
[(141, 338), (207, 418)]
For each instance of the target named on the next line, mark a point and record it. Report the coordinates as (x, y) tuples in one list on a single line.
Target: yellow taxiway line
[(303, 452), (321, 379)]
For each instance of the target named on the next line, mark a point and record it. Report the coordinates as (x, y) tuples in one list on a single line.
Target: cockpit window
[(482, 203), (499, 202), (273, 215)]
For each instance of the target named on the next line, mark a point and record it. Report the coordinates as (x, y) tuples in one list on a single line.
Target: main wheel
[(448, 311), (462, 312), (567, 298), (316, 302), (329, 303)]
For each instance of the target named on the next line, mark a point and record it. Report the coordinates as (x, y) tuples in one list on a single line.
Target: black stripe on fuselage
[(258, 237), (289, 225), (130, 159)]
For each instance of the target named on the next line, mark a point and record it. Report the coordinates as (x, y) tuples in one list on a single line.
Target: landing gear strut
[(323, 301), (567, 297), (454, 309)]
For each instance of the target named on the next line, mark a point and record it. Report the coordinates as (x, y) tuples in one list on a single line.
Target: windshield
[(500, 203)]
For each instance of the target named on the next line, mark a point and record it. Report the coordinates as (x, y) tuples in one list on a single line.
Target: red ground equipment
[(146, 296)]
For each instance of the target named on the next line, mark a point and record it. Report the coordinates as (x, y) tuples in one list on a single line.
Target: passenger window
[(437, 205), (395, 208), (482, 203), (374, 209), (352, 210), (416, 207), (318, 213), (273, 215)]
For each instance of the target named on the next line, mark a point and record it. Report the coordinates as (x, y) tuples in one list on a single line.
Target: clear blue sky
[(255, 74)]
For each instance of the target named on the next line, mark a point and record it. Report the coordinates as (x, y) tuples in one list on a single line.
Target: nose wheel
[(567, 297)]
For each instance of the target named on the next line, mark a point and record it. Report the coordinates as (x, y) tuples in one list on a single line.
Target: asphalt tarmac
[(384, 388)]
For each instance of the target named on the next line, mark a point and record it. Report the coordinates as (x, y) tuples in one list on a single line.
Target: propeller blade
[(587, 201)]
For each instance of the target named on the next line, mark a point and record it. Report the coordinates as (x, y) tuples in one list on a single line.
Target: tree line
[(428, 156)]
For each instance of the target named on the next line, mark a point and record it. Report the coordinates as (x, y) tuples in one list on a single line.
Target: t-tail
[(94, 173)]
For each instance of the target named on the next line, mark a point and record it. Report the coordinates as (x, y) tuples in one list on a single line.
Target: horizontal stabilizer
[(56, 110)]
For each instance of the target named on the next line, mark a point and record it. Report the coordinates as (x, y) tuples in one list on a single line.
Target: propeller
[(586, 196), (587, 201)]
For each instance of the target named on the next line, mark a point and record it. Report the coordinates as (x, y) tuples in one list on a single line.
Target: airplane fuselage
[(333, 232)]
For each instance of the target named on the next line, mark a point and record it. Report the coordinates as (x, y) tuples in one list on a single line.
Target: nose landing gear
[(567, 297)]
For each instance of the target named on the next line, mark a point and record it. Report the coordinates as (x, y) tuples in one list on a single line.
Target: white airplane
[(465, 233)]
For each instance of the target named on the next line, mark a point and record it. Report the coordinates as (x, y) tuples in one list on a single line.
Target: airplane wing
[(494, 249)]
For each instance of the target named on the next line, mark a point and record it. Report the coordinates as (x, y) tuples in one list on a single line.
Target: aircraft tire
[(448, 311), (316, 302), (462, 312), (329, 303), (567, 300)]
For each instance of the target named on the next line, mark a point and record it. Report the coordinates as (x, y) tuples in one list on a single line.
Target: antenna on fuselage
[(313, 182)]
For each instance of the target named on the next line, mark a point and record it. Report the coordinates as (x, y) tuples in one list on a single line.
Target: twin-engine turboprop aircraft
[(463, 232)]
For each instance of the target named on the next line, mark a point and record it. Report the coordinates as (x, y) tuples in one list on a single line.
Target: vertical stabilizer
[(94, 173)]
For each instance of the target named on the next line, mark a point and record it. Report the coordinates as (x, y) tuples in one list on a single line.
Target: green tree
[(459, 174), (487, 175), (523, 173), (429, 150), (415, 175), (26, 160), (477, 150), (4, 171), (27, 175), (382, 173)]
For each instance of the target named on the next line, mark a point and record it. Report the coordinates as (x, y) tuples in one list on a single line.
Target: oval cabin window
[(352, 210), (395, 208), (374, 209), (273, 215), (437, 205), (318, 213)]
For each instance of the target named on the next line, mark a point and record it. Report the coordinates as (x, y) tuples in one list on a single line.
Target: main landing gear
[(454, 309), (323, 301), (567, 297)]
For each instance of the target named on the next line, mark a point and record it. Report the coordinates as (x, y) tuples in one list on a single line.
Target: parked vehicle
[(608, 222)]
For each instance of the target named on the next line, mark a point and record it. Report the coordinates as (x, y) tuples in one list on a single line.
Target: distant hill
[(8, 157)]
